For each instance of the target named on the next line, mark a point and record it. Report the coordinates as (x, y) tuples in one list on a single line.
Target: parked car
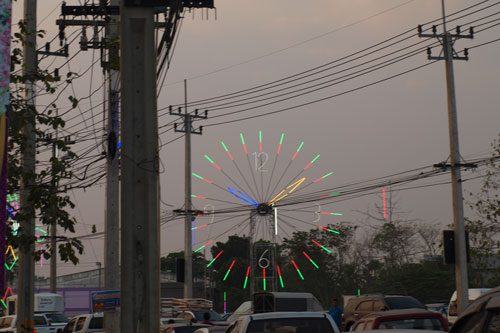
[(196, 316), (181, 328), (8, 324), (284, 322), (474, 293), (85, 323), (359, 306), (211, 329), (402, 319), (483, 315), (438, 307), (168, 321)]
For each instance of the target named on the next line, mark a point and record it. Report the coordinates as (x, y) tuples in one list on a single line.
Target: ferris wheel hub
[(264, 209)]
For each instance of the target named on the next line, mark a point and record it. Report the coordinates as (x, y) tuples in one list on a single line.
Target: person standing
[(336, 312)]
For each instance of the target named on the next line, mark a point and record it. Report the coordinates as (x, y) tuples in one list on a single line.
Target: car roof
[(272, 315), (403, 313), (492, 298)]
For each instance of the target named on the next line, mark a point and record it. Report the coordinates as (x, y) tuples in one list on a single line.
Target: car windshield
[(57, 317), (214, 316), (297, 325), (433, 324), (403, 303)]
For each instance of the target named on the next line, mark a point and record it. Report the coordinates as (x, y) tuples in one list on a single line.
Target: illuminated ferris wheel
[(259, 188)]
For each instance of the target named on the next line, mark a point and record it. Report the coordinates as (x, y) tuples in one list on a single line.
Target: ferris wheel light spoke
[(335, 232), (330, 213), (264, 278), (199, 227), (310, 163), (281, 143), (227, 150), (298, 149), (202, 247), (321, 246), (246, 278), (243, 196), (215, 259), (298, 270), (330, 195), (260, 141), (312, 261), (197, 196), (213, 163), (229, 270), (200, 177), (243, 143), (281, 279), (320, 178)]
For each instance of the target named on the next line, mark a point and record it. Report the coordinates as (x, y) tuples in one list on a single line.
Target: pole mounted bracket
[(168, 3)]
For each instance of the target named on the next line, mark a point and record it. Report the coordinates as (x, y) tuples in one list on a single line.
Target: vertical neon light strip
[(321, 246), (359, 292), (200, 177), (281, 142), (224, 302), (243, 143), (264, 278), (281, 279), (204, 246), (320, 178), (312, 261), (227, 150), (276, 221), (246, 278), (260, 141), (385, 209), (310, 163), (298, 270), (215, 259), (229, 270), (298, 149), (213, 163), (334, 231)]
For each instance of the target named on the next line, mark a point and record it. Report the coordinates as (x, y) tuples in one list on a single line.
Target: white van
[(474, 293)]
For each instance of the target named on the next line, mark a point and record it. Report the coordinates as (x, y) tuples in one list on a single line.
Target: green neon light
[(298, 271), (300, 147), (312, 261), (224, 296), (359, 292), (329, 174), (209, 159), (337, 214), (9, 268), (260, 135), (245, 285), (211, 262), (281, 281), (225, 277), (264, 284), (3, 303), (200, 248), (315, 159), (334, 194), (282, 136), (9, 198), (197, 175), (242, 139), (224, 145)]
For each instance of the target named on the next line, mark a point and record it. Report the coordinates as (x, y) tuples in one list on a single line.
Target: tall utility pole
[(449, 54), (188, 213), (112, 243), (26, 279), (140, 222)]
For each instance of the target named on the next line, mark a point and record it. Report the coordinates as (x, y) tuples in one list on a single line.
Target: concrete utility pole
[(112, 242), (449, 54), (26, 279), (140, 223), (188, 221)]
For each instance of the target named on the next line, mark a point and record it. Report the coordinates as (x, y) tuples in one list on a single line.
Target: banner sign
[(105, 301)]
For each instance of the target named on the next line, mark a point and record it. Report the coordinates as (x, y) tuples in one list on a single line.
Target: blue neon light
[(243, 197)]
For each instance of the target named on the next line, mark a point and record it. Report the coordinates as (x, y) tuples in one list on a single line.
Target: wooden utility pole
[(140, 223), (26, 291)]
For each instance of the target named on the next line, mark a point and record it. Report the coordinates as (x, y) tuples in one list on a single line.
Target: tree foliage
[(50, 202)]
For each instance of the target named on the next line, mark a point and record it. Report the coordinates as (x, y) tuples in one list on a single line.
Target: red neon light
[(218, 167), (6, 292), (279, 148), (295, 155), (231, 156), (264, 273), (317, 180), (248, 271), (306, 255), (293, 262), (307, 166), (260, 143), (245, 146), (279, 272), (208, 181), (232, 264), (317, 243)]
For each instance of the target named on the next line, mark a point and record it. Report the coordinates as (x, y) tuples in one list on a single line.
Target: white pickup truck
[(85, 323), (42, 323)]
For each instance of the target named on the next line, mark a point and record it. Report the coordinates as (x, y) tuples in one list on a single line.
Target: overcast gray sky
[(393, 126)]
